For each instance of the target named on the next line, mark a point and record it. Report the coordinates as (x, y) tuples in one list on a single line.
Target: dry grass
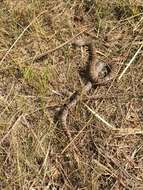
[(105, 150)]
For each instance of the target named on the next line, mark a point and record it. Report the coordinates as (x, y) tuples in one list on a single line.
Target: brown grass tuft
[(105, 147)]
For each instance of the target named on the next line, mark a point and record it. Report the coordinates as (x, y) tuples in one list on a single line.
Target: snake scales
[(97, 72)]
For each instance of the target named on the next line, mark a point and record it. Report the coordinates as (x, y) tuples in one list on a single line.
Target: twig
[(100, 118), (10, 130), (72, 141), (25, 29), (131, 61), (45, 54)]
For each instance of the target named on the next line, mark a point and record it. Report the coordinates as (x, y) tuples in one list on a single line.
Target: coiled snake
[(97, 72)]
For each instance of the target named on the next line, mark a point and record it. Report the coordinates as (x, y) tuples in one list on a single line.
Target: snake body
[(97, 71)]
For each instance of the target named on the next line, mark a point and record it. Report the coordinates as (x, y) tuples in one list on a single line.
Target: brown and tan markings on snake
[(97, 72)]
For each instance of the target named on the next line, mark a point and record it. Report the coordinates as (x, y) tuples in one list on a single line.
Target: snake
[(97, 72)]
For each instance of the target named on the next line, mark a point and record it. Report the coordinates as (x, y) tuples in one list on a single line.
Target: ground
[(105, 150)]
